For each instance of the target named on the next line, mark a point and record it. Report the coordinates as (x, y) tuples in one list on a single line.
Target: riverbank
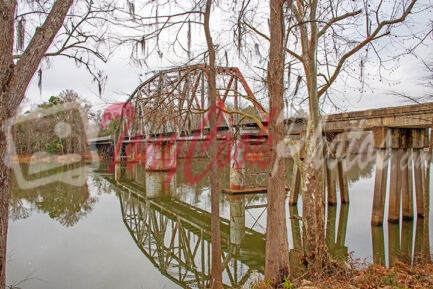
[(399, 276), (44, 157)]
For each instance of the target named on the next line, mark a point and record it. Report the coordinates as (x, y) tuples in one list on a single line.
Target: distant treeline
[(58, 126)]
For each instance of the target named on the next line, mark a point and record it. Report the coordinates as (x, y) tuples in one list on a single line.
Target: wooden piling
[(380, 187)]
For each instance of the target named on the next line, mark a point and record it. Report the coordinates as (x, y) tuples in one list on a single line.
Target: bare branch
[(336, 20), (373, 36), (291, 52), (44, 35)]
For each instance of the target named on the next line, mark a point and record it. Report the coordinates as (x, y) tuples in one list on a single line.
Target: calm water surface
[(127, 228)]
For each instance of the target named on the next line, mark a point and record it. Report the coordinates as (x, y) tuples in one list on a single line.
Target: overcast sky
[(408, 76)]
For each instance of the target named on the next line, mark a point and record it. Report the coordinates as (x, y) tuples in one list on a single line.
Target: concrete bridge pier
[(130, 151), (237, 166), (131, 172), (335, 175), (380, 186), (134, 151), (407, 172), (117, 172), (331, 180), (295, 186), (419, 179), (161, 155), (336, 150), (237, 219)]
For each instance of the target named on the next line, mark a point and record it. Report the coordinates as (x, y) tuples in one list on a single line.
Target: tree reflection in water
[(63, 202)]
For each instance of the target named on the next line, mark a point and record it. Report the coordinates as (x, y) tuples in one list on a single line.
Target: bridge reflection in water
[(170, 222), (404, 242), (176, 237)]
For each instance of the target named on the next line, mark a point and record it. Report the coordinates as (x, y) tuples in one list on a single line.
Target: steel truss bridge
[(169, 113), (175, 101)]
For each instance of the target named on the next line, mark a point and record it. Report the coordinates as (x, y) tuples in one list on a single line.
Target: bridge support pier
[(161, 155), (331, 180), (380, 187), (342, 181), (237, 219), (419, 179), (334, 168), (407, 170), (237, 166), (117, 171), (334, 172)]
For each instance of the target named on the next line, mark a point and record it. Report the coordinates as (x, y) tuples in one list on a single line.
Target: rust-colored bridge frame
[(175, 101)]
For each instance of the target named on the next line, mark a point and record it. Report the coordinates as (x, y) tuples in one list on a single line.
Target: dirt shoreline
[(48, 158)]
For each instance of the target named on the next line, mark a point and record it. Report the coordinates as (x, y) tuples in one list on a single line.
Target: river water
[(128, 228)]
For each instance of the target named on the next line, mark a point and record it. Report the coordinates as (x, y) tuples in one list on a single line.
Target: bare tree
[(57, 30), (324, 51), (324, 41), (322, 37)]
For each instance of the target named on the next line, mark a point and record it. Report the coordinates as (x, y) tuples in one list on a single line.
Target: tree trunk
[(426, 254), (313, 207), (14, 79), (4, 208), (277, 251), (312, 172), (6, 70), (216, 270), (316, 252)]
